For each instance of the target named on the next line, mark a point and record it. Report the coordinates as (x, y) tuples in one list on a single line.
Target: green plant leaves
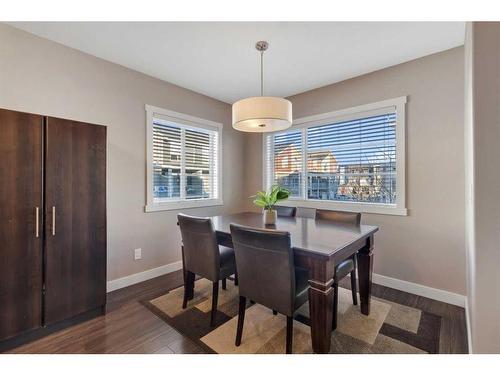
[(283, 194), (268, 199), (260, 202), (273, 194)]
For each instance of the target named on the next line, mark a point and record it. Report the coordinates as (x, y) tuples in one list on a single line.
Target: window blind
[(351, 160), (166, 161), (286, 151), (185, 162)]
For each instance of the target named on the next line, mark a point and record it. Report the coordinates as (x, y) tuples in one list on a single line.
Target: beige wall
[(37, 75), (482, 129), (427, 246), (469, 185)]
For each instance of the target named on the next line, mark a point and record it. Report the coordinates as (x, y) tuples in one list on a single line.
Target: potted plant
[(267, 200)]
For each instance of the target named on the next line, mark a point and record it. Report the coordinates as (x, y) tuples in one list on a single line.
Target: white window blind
[(353, 160), (286, 159), (166, 161), (183, 162), (347, 161)]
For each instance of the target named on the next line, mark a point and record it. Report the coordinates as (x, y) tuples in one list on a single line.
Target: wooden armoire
[(52, 223)]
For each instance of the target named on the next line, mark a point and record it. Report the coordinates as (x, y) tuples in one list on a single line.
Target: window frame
[(187, 122), (397, 105)]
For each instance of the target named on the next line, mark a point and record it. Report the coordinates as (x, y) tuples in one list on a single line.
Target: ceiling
[(218, 59)]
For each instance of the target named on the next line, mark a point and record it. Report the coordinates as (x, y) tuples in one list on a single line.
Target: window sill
[(369, 208), (178, 205)]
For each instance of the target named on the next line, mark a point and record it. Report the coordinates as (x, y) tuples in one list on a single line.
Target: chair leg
[(185, 276), (241, 320), (236, 278), (275, 312), (188, 288), (191, 291), (354, 289), (289, 334), (335, 305), (215, 296), (224, 284)]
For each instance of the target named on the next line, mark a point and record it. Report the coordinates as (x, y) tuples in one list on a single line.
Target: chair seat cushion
[(301, 286), (343, 269), (227, 262)]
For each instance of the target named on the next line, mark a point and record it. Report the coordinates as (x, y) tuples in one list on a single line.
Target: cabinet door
[(20, 240), (75, 218)]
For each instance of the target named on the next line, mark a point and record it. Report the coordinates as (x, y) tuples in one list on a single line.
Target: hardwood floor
[(453, 335), (128, 327)]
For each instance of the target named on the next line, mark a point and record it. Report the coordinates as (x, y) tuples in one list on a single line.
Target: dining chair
[(341, 217), (347, 266), (225, 240), (305, 212), (267, 275), (285, 211), (204, 257)]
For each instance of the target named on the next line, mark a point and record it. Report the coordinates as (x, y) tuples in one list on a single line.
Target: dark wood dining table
[(318, 246)]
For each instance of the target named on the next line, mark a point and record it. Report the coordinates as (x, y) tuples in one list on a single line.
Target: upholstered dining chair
[(204, 257), (341, 217), (347, 266), (285, 211), (305, 212), (267, 275)]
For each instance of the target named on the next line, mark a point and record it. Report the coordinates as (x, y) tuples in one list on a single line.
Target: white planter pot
[(270, 217)]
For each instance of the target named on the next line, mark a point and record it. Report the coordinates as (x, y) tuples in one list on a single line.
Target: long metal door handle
[(37, 222), (53, 220)]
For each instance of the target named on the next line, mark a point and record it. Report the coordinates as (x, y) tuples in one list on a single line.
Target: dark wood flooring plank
[(129, 327), (96, 335), (164, 350), (186, 346), (453, 335), (159, 343)]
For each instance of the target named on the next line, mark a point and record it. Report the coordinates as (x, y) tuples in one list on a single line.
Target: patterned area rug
[(390, 327)]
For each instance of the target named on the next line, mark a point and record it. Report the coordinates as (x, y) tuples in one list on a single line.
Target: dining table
[(318, 246)]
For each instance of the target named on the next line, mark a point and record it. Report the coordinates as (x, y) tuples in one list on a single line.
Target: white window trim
[(187, 121), (396, 104)]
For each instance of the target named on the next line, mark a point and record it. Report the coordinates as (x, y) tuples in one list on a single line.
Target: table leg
[(320, 310), (365, 269)]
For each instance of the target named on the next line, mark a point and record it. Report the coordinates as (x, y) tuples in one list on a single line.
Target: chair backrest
[(306, 212), (341, 217), (285, 211), (201, 252), (266, 271)]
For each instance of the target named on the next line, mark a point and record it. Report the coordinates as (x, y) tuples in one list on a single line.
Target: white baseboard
[(420, 290), (405, 286), (143, 276)]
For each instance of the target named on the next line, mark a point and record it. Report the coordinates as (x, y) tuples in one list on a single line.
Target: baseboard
[(405, 286), (467, 324), (421, 290), (143, 276)]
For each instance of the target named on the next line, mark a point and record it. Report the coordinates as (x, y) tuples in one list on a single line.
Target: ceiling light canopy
[(262, 113)]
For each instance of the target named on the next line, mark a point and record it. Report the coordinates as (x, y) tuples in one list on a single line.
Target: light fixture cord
[(261, 73)]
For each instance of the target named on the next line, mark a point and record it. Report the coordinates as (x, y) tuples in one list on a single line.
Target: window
[(288, 161), (183, 168), (351, 160)]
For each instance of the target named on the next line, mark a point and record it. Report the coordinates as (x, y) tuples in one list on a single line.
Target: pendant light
[(262, 114)]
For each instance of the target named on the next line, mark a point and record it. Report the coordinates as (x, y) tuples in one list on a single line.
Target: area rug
[(390, 327)]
